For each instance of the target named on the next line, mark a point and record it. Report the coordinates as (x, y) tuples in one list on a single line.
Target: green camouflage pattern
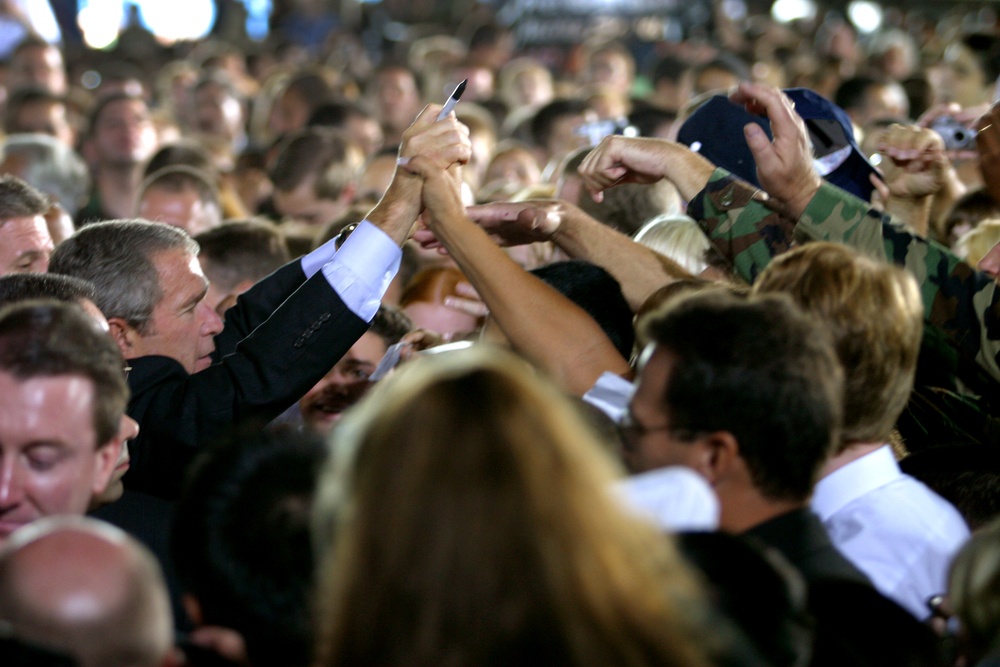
[(957, 387), (960, 302)]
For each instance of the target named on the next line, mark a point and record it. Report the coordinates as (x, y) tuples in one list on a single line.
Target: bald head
[(87, 589)]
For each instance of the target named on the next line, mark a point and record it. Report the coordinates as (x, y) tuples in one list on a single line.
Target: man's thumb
[(756, 137)]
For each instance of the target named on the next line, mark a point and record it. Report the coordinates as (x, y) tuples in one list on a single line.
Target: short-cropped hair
[(51, 339), (117, 256), (761, 370), (17, 287), (20, 200), (545, 118), (178, 178), (181, 153), (874, 314), (391, 324), (321, 153), (597, 292), (629, 206), (242, 250)]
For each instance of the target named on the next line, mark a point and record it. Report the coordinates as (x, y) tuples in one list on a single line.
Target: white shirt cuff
[(611, 394), (314, 261), (360, 272)]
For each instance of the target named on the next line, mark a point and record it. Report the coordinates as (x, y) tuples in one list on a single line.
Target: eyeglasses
[(632, 430), (127, 370)]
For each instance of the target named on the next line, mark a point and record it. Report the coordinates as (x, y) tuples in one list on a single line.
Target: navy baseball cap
[(715, 130)]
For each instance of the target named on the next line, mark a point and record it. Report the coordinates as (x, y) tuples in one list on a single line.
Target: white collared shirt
[(673, 498), (891, 527)]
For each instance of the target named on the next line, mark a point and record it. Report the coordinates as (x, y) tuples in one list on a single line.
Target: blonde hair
[(875, 314), (466, 518), (973, 245), (677, 237)]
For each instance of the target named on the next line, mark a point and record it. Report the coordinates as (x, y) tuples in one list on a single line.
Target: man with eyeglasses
[(747, 394)]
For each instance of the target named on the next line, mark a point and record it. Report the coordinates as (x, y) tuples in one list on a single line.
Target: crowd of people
[(682, 354)]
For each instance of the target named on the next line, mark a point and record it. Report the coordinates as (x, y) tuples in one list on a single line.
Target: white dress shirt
[(891, 527), (360, 272), (673, 498)]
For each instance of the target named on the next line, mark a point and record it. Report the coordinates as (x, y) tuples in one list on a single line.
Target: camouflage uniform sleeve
[(959, 301), (741, 227)]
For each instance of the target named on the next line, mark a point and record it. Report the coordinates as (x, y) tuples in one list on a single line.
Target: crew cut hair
[(20, 200)]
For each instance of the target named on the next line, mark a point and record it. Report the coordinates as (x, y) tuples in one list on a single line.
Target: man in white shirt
[(893, 528)]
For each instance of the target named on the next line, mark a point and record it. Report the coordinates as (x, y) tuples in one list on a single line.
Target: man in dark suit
[(748, 394), (191, 378)]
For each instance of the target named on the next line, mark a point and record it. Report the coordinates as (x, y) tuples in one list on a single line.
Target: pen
[(453, 100)]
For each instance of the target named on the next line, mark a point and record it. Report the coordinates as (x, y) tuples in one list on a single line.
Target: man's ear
[(124, 334), (243, 286), (108, 455), (111, 454), (720, 451)]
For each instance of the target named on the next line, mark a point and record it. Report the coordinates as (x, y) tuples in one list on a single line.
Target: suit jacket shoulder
[(267, 372)]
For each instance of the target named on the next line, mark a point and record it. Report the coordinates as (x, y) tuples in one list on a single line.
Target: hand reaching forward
[(511, 223), (784, 165), (521, 223), (620, 159)]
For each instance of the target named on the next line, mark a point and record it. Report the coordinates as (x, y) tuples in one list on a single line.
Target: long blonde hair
[(467, 519)]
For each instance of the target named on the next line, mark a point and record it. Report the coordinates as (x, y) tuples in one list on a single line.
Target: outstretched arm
[(540, 323), (640, 160), (639, 270)]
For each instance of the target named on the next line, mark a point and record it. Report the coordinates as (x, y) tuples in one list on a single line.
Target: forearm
[(951, 192), (743, 228), (398, 209), (639, 270), (914, 213), (687, 170), (540, 323)]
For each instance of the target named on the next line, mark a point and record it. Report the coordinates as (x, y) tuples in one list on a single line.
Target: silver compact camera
[(957, 137)]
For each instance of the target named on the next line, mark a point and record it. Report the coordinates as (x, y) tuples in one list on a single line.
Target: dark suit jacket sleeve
[(255, 305), (270, 369)]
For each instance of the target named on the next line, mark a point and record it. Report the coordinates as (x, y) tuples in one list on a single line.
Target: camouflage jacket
[(960, 303)]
